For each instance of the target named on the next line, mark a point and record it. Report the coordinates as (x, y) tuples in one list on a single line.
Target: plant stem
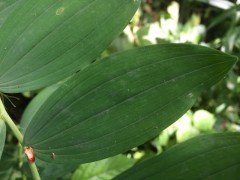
[(4, 115), (34, 171)]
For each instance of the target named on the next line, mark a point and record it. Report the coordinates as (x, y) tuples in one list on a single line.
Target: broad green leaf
[(35, 105), (122, 101), (6, 8), (2, 136), (207, 157), (103, 170), (45, 41)]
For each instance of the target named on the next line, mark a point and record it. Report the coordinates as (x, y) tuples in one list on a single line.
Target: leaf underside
[(207, 157), (45, 41), (121, 102)]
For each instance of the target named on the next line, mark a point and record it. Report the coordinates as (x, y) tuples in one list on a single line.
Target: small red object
[(30, 154)]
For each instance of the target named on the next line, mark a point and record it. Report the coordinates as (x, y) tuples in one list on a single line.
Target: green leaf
[(230, 13), (2, 136), (205, 157), (49, 171), (6, 8), (57, 171), (9, 163), (122, 101), (45, 41), (104, 169), (35, 104)]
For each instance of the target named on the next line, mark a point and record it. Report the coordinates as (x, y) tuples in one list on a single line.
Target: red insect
[(30, 154)]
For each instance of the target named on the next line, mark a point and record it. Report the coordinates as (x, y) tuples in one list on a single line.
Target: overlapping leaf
[(2, 136), (9, 162), (45, 41), (122, 101), (104, 169), (35, 105), (206, 157)]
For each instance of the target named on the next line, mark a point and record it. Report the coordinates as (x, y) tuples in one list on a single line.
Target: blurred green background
[(212, 23)]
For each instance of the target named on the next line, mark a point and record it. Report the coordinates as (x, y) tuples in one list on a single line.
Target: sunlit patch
[(53, 156), (60, 11), (190, 95)]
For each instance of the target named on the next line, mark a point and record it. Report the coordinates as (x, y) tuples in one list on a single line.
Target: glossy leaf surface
[(104, 169), (122, 101), (206, 157), (2, 136), (45, 41)]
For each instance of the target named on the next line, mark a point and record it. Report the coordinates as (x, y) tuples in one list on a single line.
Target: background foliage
[(210, 23)]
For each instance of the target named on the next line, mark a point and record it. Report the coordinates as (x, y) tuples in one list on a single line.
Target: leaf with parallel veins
[(122, 101), (45, 41)]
